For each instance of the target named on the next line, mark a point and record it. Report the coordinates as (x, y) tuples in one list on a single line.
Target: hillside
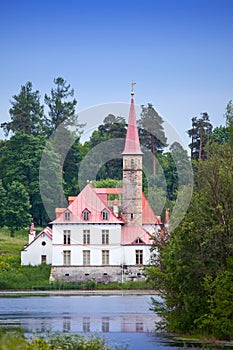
[(12, 274)]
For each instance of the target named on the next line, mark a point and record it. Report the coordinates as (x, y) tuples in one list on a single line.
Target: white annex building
[(102, 240), (39, 248)]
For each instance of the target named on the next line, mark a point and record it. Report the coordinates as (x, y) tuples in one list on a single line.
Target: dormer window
[(105, 214), (86, 215), (67, 215), (138, 241)]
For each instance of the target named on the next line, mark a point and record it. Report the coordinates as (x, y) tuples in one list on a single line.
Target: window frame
[(67, 215), (105, 237), (43, 259), (66, 257), (105, 214), (86, 215), (86, 257), (105, 257), (139, 257), (67, 237), (86, 237)]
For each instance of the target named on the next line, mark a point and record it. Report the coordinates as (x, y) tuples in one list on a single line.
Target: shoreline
[(15, 293)]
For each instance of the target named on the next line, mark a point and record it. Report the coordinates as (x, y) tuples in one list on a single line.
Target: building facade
[(102, 240)]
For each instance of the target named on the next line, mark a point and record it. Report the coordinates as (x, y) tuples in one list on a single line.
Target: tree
[(64, 128), (20, 158), (220, 134), (199, 249), (200, 134), (17, 213), (112, 130), (151, 131), (2, 204), (61, 111), (229, 120), (27, 114)]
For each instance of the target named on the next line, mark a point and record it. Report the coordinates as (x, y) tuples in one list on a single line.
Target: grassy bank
[(15, 340)]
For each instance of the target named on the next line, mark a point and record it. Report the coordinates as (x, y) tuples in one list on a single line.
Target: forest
[(194, 270)]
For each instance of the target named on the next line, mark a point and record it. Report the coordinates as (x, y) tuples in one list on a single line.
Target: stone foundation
[(106, 274)]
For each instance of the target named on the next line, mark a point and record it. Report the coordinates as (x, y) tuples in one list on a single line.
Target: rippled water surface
[(122, 319)]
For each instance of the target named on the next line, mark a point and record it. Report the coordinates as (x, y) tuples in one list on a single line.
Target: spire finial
[(132, 88)]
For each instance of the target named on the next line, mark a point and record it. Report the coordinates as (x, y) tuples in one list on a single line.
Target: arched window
[(86, 214)]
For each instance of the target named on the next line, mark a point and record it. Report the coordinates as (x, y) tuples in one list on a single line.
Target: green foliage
[(15, 276), (17, 212), (15, 340), (106, 145), (229, 121), (218, 321), (193, 270), (12, 339), (27, 114), (20, 159), (200, 134), (151, 133), (220, 134), (60, 110)]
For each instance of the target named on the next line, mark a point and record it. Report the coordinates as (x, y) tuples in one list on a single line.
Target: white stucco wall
[(31, 255), (76, 247)]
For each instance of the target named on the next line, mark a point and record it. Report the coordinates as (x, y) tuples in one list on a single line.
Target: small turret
[(32, 233)]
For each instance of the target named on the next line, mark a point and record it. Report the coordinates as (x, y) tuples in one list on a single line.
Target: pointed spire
[(132, 144)]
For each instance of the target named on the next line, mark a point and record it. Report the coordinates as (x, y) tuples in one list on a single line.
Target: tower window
[(131, 216)]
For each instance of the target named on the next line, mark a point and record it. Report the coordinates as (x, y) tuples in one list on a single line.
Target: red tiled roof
[(130, 233), (88, 199), (148, 215), (114, 190)]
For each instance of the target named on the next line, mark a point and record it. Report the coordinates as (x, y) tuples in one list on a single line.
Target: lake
[(121, 319)]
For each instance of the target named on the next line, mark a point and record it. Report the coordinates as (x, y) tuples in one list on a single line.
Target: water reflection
[(105, 314), (120, 319), (104, 324)]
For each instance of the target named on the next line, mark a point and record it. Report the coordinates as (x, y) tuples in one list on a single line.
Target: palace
[(99, 239)]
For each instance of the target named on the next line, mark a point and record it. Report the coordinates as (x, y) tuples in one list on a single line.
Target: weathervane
[(132, 88)]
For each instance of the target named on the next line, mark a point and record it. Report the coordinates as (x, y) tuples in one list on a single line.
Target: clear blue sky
[(179, 52)]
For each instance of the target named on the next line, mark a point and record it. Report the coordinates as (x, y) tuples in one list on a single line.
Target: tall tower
[(132, 172)]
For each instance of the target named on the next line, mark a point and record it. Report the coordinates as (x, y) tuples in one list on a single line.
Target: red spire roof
[(132, 144)]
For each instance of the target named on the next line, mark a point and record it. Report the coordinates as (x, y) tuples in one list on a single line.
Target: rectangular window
[(66, 257), (43, 259), (86, 215), (139, 257), (105, 215), (66, 237), (105, 236), (67, 215), (105, 257), (86, 236), (86, 257)]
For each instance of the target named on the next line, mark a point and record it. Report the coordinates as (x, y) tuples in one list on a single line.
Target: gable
[(89, 200)]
